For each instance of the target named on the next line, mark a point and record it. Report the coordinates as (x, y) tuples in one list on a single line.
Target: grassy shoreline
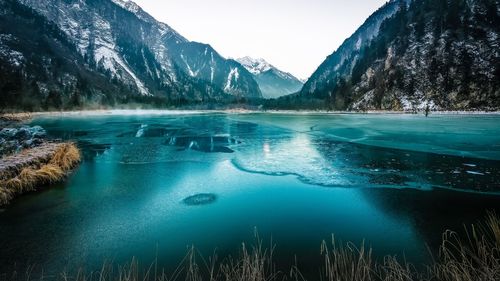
[(472, 254), (35, 167)]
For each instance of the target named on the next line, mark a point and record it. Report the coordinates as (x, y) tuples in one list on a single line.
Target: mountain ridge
[(440, 55), (118, 40), (408, 55), (272, 81)]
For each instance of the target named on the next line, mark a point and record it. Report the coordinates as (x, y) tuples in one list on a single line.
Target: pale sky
[(293, 35)]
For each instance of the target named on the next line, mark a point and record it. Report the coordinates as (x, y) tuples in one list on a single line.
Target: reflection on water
[(157, 184)]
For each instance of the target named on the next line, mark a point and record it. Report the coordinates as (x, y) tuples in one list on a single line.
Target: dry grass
[(6, 195), (473, 256), (65, 158), (468, 257), (255, 264), (351, 263), (15, 117), (346, 262)]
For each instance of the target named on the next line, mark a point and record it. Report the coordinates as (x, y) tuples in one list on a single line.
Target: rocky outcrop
[(13, 140)]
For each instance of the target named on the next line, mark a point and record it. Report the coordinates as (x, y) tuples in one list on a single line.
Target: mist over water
[(151, 185)]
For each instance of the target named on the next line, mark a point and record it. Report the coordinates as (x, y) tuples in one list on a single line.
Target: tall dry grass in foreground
[(472, 256), (65, 158)]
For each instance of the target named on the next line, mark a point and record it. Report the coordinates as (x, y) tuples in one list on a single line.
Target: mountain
[(106, 52), (273, 82), (415, 54), (40, 67)]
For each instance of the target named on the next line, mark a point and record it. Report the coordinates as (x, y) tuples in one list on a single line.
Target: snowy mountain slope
[(273, 82), (201, 61), (441, 54), (119, 38), (255, 66), (340, 62), (42, 69)]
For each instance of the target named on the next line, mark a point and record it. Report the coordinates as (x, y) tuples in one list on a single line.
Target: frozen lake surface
[(152, 185)]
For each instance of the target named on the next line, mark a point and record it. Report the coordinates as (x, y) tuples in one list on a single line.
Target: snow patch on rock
[(255, 66), (233, 76)]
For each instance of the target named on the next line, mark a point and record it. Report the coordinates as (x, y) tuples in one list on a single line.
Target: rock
[(8, 133), (32, 143), (38, 132), (15, 139), (209, 144), (22, 134), (8, 147), (200, 199)]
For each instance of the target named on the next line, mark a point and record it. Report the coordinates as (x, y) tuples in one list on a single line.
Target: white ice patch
[(140, 132), (296, 157), (233, 75)]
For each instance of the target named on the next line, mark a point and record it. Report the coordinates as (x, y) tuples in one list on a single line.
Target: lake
[(151, 185)]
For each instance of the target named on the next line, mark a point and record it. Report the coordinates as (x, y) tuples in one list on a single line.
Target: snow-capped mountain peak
[(128, 5), (118, 40), (272, 81), (255, 66)]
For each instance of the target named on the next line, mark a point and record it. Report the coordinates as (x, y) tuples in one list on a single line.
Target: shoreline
[(468, 254), (33, 168), (26, 116)]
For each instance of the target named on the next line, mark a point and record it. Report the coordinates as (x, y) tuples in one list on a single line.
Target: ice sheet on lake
[(293, 157), (456, 135), (397, 151), (325, 160)]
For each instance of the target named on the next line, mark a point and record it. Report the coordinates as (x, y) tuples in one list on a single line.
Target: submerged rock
[(200, 199), (91, 150), (209, 144)]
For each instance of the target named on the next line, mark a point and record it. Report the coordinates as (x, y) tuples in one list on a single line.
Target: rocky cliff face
[(118, 40), (410, 55)]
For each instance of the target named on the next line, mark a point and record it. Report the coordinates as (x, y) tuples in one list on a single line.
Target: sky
[(294, 35)]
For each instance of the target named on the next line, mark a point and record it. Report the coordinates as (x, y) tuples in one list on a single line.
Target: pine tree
[(53, 100)]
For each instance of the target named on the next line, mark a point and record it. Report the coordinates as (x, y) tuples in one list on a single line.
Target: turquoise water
[(394, 181)]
